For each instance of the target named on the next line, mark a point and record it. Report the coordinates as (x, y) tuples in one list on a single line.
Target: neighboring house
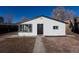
[(69, 25), (42, 25)]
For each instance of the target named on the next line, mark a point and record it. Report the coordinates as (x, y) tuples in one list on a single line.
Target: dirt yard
[(61, 44), (17, 45), (68, 44)]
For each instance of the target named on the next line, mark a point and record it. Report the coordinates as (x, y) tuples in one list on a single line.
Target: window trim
[(21, 28)]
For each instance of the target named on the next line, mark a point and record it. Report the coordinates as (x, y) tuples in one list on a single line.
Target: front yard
[(61, 44), (26, 44), (17, 45)]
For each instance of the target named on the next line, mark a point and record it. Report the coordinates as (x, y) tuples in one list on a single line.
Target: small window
[(55, 27)]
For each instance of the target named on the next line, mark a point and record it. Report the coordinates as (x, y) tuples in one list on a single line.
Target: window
[(55, 27), (26, 28)]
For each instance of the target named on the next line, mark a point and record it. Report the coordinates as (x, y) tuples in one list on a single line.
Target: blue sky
[(31, 11)]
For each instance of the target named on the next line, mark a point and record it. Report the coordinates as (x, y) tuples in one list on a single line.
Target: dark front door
[(39, 28)]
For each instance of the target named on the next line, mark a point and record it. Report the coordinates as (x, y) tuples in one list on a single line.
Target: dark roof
[(41, 16), (49, 18)]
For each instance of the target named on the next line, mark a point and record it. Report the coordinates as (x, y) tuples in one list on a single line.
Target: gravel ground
[(61, 44), (67, 44), (17, 45)]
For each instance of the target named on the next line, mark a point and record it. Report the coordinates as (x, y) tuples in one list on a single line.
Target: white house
[(42, 25)]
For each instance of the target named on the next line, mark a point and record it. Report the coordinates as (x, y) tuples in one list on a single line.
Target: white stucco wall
[(47, 27)]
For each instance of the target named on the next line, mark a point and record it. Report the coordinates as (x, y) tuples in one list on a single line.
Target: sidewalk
[(39, 47)]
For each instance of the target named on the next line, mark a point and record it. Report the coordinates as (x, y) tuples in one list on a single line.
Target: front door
[(39, 29)]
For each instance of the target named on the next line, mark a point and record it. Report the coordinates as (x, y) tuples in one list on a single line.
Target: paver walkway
[(39, 47)]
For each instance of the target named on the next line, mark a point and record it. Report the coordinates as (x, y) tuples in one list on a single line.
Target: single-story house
[(42, 25)]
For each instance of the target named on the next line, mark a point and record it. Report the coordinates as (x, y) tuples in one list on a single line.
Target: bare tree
[(23, 18), (61, 13), (58, 13), (69, 14)]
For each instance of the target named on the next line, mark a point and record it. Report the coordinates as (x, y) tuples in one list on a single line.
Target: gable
[(43, 19), (50, 18)]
